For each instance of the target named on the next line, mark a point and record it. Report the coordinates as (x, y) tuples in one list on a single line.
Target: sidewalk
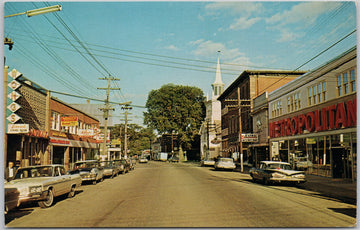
[(342, 189)]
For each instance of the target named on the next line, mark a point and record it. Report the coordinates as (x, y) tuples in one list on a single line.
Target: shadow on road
[(347, 211)]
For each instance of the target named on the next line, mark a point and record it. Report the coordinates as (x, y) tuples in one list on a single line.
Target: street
[(161, 194)]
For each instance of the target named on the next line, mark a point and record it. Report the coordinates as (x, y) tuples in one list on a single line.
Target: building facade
[(312, 120), (237, 105), (74, 135), (38, 130), (210, 130)]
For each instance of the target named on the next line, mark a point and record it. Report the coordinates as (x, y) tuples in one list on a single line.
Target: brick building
[(237, 99)]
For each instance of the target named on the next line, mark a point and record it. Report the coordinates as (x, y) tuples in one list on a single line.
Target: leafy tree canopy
[(176, 108)]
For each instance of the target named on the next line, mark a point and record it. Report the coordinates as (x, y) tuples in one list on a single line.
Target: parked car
[(132, 163), (43, 183), (11, 199), (225, 163), (110, 169), (124, 164), (143, 160), (303, 163), (173, 159), (275, 171), (119, 165), (207, 162), (89, 170)]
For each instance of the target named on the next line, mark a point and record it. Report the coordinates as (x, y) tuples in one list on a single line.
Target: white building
[(210, 131)]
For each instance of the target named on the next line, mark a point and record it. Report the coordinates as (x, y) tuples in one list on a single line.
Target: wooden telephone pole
[(106, 111)]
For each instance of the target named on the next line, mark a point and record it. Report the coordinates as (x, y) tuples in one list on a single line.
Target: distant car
[(120, 166), (43, 183), (89, 170), (275, 171), (303, 163), (225, 163), (11, 199), (110, 170), (173, 159), (132, 163), (143, 160), (125, 165), (207, 162)]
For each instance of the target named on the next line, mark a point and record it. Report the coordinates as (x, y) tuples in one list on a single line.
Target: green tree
[(139, 138), (176, 108)]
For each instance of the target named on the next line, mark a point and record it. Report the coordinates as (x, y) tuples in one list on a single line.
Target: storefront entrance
[(341, 163)]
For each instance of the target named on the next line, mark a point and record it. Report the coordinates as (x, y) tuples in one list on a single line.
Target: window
[(293, 102), (317, 93), (352, 80), (346, 83), (324, 91), (55, 121)]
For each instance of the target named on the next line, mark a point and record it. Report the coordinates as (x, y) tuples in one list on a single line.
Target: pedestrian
[(10, 171)]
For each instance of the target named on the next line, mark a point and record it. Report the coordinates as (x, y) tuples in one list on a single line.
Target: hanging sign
[(14, 84), (69, 121), (13, 118), (86, 132), (249, 137), (13, 107), (14, 74), (14, 95), (18, 128)]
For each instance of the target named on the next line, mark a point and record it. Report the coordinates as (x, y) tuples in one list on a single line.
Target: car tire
[(71, 194), (48, 201), (266, 181)]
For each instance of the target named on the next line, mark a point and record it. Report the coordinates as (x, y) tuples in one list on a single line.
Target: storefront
[(312, 120), (67, 152)]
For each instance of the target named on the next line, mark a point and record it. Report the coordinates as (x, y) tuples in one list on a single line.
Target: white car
[(143, 160), (275, 171), (43, 183), (225, 163)]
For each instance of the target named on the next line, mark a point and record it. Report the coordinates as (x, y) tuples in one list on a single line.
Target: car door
[(66, 178), (61, 181)]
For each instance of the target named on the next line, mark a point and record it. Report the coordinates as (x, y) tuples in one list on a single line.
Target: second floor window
[(55, 121), (346, 83), (317, 93)]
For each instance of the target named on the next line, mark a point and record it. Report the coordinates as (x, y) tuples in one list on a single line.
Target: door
[(339, 162)]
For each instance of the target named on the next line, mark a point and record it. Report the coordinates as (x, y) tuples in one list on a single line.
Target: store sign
[(38, 133), (14, 95), (86, 133), (14, 85), (13, 118), (13, 107), (14, 74), (310, 141), (18, 128), (341, 115), (59, 141), (249, 137), (69, 121)]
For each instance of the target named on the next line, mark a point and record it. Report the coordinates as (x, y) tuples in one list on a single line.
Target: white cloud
[(172, 47), (243, 23), (305, 13), (235, 7), (209, 49)]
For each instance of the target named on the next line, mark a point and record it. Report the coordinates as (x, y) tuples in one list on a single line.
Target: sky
[(149, 44)]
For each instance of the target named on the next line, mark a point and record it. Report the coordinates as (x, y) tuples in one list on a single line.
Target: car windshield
[(45, 171), (85, 165), (106, 163), (279, 166)]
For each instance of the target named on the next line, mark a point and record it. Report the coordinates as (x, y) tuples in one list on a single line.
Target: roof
[(247, 73)]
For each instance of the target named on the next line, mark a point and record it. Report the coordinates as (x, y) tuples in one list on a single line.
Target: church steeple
[(218, 85)]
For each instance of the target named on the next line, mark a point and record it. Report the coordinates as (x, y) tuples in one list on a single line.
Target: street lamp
[(39, 11)]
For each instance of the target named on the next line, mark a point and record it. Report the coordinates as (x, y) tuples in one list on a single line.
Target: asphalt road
[(159, 194)]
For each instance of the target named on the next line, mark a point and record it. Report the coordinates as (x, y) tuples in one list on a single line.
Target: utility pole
[(126, 108), (106, 111)]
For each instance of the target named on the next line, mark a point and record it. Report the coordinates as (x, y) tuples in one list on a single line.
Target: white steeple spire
[(218, 85)]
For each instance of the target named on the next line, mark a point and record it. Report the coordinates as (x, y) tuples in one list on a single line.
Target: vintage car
[(43, 183), (110, 169), (207, 162), (123, 164), (89, 170), (275, 171), (11, 199), (225, 163)]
